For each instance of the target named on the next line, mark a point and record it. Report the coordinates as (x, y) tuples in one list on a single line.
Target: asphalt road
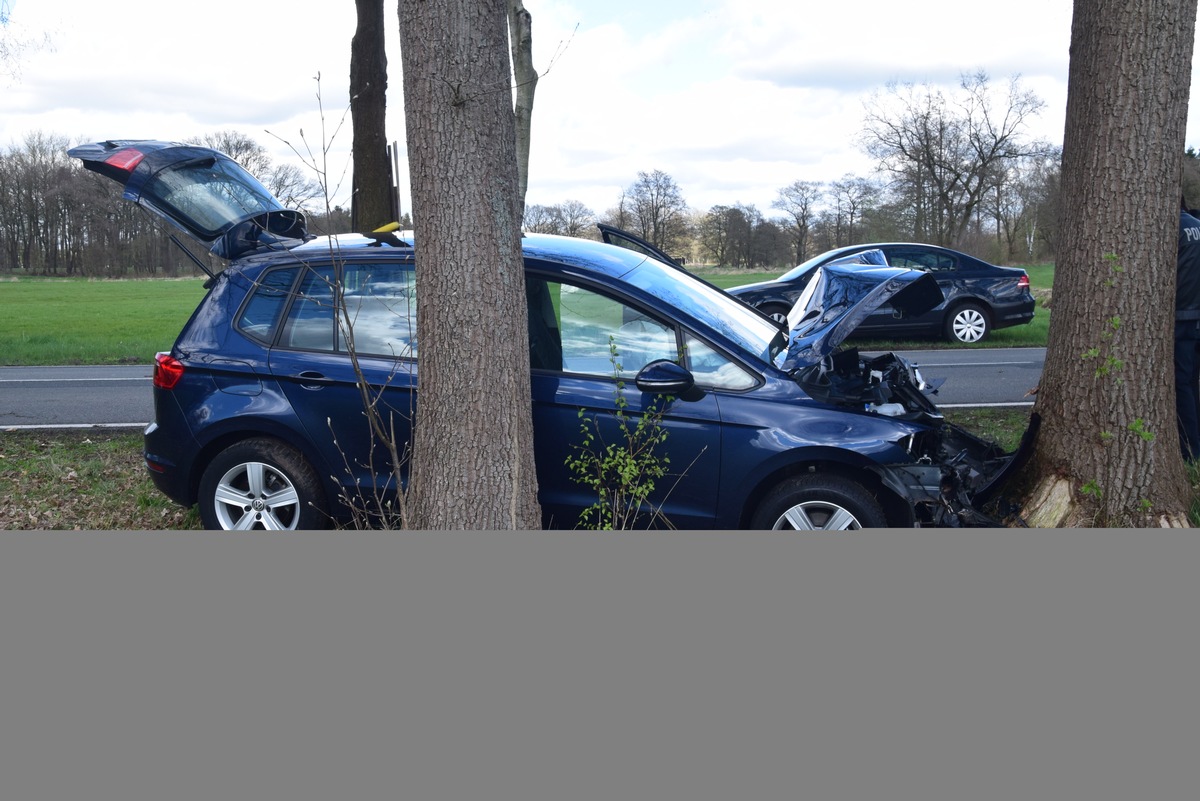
[(75, 397), (982, 377), (84, 397)]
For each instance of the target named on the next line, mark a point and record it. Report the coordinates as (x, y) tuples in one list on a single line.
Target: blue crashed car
[(259, 416)]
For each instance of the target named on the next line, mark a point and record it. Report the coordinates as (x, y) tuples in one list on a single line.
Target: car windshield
[(877, 257), (750, 330), (211, 194), (803, 267)]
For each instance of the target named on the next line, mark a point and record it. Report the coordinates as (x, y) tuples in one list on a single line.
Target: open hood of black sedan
[(203, 192), (839, 297)]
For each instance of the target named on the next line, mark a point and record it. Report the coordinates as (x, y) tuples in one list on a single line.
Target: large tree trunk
[(371, 205), (473, 440), (1108, 452)]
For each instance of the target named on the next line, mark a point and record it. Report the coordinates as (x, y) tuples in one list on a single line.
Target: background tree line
[(953, 168), (57, 218), (956, 168)]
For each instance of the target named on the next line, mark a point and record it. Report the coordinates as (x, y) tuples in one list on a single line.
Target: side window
[(310, 321), (380, 304), (260, 314), (921, 260), (715, 370), (575, 330), (943, 263)]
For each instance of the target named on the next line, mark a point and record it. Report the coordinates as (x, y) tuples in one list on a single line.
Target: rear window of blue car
[(260, 315), (210, 195)]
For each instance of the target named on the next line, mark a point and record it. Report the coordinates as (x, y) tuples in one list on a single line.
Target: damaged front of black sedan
[(947, 476)]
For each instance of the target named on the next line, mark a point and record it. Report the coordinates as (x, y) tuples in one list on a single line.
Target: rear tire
[(262, 484), (818, 502), (968, 323)]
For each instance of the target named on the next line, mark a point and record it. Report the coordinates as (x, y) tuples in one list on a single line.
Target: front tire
[(968, 323), (776, 311), (819, 502), (262, 484)]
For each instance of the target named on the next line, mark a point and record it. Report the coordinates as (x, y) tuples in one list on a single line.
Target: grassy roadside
[(47, 321), (95, 479), (72, 479)]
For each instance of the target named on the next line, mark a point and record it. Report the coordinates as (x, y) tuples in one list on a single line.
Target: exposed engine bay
[(953, 474), (887, 384)]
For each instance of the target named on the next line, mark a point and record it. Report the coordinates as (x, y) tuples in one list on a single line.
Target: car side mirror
[(665, 377)]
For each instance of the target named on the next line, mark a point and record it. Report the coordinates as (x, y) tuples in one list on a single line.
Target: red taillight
[(167, 371), (125, 159), (1023, 281)]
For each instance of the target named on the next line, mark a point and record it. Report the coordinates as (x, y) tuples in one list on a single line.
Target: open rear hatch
[(201, 191)]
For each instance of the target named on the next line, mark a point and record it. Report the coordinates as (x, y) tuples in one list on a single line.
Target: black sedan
[(979, 296)]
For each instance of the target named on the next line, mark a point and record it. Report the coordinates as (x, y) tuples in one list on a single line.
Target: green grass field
[(52, 322), (46, 321)]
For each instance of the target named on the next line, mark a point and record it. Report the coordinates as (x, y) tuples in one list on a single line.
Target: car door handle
[(311, 379)]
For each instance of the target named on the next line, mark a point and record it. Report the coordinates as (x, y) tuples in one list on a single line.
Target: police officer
[(1187, 334)]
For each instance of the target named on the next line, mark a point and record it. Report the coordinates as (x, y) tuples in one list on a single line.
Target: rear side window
[(377, 317), (310, 323), (921, 260), (260, 314)]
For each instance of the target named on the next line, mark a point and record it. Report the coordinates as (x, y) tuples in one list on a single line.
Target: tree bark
[(472, 462), (1108, 452), (371, 204)]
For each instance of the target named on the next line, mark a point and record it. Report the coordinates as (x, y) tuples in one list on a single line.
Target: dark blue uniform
[(1187, 336)]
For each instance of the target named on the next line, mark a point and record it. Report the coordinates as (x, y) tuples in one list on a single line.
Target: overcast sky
[(732, 98)]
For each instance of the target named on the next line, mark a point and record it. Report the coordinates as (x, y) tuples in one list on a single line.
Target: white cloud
[(738, 98), (145, 69), (732, 98)]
